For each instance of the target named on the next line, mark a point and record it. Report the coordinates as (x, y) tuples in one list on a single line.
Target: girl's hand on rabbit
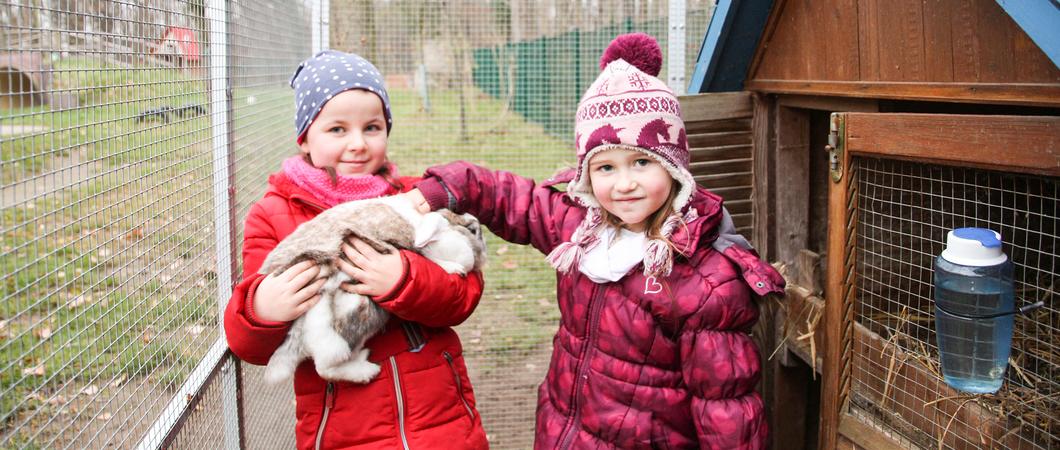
[(285, 297), (376, 273), (418, 201)]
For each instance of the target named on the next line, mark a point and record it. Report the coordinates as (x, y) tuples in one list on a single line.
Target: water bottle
[(974, 308)]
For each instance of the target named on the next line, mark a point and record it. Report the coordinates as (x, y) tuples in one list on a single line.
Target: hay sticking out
[(1027, 403)]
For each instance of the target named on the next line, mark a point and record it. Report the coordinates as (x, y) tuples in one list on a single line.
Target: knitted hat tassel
[(566, 255), (658, 256)]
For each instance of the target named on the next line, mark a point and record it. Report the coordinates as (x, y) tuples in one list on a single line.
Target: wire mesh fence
[(115, 254), (109, 298), (904, 212)]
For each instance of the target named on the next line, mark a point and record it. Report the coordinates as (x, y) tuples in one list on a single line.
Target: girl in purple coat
[(654, 288)]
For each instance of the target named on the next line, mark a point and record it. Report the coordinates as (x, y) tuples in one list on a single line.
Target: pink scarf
[(317, 182)]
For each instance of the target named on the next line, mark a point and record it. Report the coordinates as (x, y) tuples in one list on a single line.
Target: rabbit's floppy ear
[(429, 227)]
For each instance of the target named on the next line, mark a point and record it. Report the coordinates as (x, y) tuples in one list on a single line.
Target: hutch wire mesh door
[(899, 183)]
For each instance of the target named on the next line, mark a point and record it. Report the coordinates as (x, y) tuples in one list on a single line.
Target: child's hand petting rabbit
[(286, 296), (418, 201), (377, 273)]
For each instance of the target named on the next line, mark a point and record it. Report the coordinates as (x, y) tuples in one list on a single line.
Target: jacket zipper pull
[(329, 396)]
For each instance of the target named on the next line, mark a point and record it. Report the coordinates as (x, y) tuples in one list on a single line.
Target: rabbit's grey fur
[(333, 331)]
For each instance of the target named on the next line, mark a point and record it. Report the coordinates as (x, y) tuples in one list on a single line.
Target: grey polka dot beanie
[(330, 72)]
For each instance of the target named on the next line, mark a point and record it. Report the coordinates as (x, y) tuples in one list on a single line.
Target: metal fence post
[(315, 25), (224, 208), (325, 24), (675, 52)]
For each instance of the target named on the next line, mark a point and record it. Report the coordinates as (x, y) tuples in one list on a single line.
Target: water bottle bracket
[(1024, 310)]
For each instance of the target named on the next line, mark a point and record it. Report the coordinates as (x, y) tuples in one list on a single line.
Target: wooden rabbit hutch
[(848, 136)]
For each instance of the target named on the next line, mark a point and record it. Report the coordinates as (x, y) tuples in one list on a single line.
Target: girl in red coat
[(654, 287), (422, 398)]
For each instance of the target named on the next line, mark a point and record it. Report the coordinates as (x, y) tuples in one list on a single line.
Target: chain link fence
[(135, 135)]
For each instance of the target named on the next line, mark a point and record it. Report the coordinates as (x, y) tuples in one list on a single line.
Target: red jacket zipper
[(583, 367), (459, 385), (329, 402)]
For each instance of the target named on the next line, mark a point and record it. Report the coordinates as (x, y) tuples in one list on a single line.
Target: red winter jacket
[(641, 362), (428, 404)]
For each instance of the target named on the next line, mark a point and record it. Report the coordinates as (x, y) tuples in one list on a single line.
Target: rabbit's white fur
[(333, 331)]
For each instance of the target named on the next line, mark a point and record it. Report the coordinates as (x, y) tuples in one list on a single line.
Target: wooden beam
[(793, 198), (838, 304), (761, 194), (791, 386), (724, 180), (716, 106), (720, 152), (1009, 143), (830, 104), (694, 125), (741, 137), (1019, 94), (864, 436), (808, 265)]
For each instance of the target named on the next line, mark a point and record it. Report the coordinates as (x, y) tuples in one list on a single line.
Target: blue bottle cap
[(974, 247), (989, 238)]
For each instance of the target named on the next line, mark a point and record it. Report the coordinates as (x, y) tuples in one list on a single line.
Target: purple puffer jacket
[(641, 362)]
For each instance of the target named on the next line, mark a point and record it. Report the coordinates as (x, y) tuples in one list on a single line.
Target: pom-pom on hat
[(628, 107), (330, 72)]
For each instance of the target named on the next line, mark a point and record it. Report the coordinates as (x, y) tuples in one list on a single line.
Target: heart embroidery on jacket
[(652, 286)]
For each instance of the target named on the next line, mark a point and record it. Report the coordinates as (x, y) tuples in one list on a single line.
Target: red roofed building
[(178, 44)]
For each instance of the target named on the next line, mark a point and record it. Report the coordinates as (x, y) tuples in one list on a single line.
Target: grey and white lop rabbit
[(333, 331)]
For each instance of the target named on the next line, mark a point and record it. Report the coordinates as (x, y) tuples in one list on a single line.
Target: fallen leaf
[(56, 400), (502, 250), (90, 390), (44, 332), (37, 370), (510, 264), (80, 300), (134, 234), (195, 330), (119, 381), (104, 417)]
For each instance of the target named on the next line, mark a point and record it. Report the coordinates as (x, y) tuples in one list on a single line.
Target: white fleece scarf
[(613, 257)]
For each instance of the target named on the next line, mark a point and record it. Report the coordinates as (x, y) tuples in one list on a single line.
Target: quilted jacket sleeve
[(720, 365), (251, 339), (431, 296), (513, 207)]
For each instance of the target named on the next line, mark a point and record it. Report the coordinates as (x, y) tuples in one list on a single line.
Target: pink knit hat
[(628, 107)]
